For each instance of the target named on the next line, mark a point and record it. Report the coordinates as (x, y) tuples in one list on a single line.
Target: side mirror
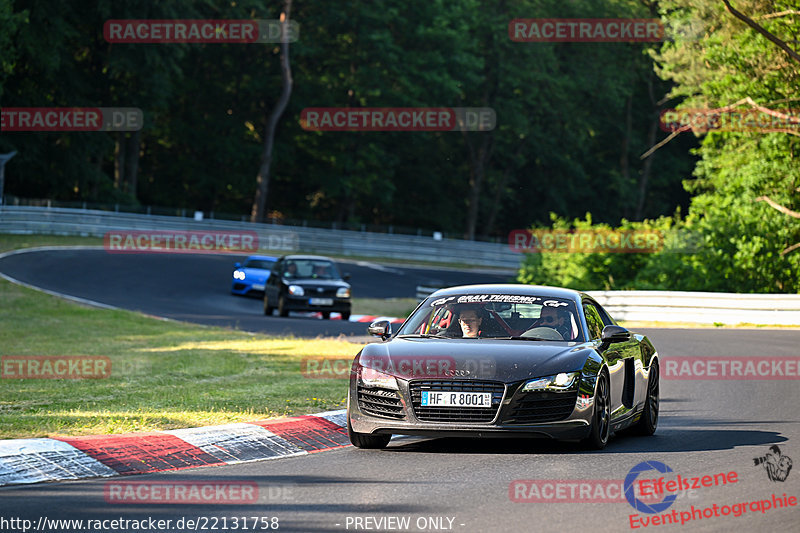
[(615, 334), (380, 328), (237, 265), (346, 276)]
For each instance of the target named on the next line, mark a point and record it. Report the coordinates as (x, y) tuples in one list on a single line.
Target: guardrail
[(85, 222), (701, 307), (693, 307), (423, 291)]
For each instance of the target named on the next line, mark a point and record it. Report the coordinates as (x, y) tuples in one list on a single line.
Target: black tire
[(326, 315), (601, 415), (282, 311), (267, 308), (648, 423), (346, 316), (366, 441)]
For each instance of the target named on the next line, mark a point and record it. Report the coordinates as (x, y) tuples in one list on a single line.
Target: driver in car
[(470, 321)]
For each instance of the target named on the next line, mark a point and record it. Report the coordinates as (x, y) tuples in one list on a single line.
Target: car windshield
[(508, 316), (265, 264), (310, 269)]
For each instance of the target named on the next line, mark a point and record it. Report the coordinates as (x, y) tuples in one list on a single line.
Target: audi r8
[(500, 361)]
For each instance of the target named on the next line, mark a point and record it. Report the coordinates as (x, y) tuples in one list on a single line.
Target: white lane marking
[(381, 268)]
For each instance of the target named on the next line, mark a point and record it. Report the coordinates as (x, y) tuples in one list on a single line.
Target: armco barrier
[(701, 307), (67, 221), (693, 307)]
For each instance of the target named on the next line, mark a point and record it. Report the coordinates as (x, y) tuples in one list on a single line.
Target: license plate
[(258, 287), (456, 399), (320, 301)]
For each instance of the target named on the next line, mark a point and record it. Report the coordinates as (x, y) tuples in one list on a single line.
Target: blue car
[(251, 276)]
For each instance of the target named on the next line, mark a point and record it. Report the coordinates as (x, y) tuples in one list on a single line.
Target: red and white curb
[(55, 459), (367, 319)]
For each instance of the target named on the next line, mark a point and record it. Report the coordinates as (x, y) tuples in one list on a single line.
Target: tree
[(734, 63), (262, 179)]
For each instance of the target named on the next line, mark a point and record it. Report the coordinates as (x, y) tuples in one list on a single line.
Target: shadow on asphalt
[(665, 440)]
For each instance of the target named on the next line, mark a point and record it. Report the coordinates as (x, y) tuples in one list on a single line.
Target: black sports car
[(504, 360), (307, 283)]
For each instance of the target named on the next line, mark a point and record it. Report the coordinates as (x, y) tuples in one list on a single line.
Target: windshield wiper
[(421, 336)]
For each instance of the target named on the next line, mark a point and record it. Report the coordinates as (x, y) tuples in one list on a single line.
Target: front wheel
[(367, 441), (326, 315), (346, 315), (282, 311), (646, 425), (267, 308), (601, 417)]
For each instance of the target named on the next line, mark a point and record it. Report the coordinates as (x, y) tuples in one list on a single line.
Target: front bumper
[(405, 417), (246, 287), (302, 303)]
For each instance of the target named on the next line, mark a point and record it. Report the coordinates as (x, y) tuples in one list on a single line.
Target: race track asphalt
[(196, 288)]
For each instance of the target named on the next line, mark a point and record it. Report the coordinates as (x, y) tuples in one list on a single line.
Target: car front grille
[(456, 414), (239, 286), (538, 407), (327, 292), (380, 402)]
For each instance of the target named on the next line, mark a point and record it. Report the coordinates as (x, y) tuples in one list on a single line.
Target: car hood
[(502, 360), (314, 283), (255, 272)]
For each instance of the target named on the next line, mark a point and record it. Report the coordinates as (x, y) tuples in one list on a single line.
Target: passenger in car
[(557, 318)]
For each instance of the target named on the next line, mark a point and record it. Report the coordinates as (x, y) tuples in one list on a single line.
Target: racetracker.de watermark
[(731, 368), (43, 119), (585, 241), (142, 31), (181, 492), (583, 491), (54, 367), (188, 242), (603, 30), (406, 367), (705, 120), (398, 119)]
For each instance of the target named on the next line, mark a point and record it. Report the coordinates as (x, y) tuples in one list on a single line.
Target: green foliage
[(739, 242), (609, 270), (562, 111), (744, 237)]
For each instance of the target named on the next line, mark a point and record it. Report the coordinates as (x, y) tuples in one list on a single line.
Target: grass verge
[(164, 375)]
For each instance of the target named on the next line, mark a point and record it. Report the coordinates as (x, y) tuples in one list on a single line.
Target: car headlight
[(296, 290), (559, 382), (344, 292), (238, 274), (373, 378)]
